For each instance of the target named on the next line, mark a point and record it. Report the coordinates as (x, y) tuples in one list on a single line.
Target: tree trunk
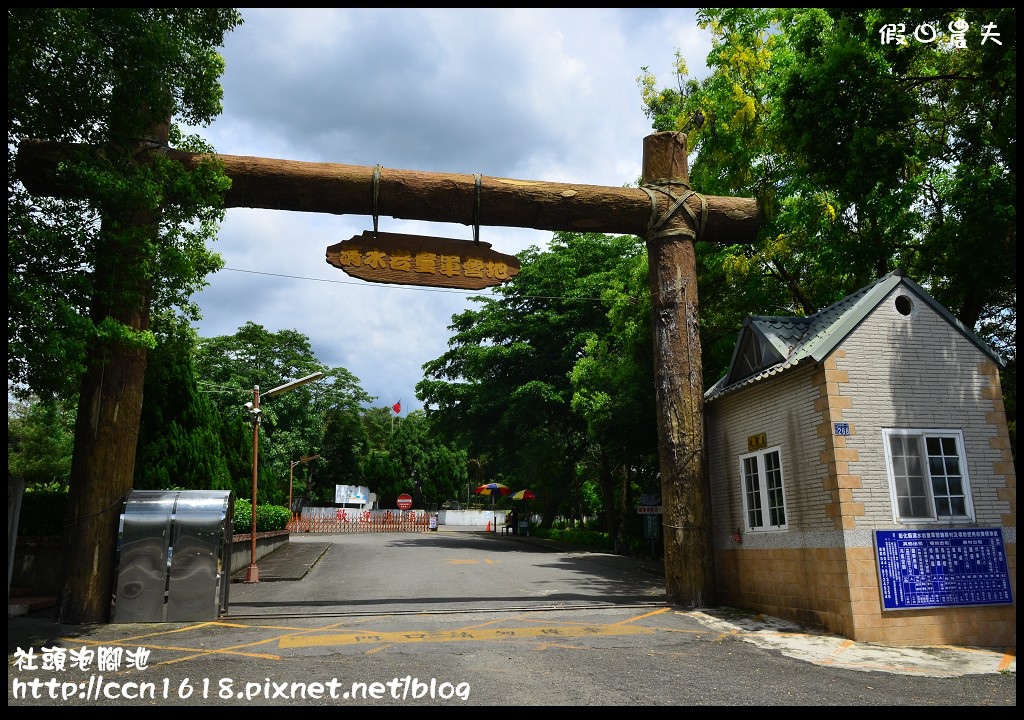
[(685, 483), (109, 412), (103, 464), (606, 478)]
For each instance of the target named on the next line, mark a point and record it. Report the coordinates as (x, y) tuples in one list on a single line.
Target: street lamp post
[(252, 574), (291, 467)]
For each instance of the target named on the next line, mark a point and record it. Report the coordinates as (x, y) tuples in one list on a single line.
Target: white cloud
[(529, 93)]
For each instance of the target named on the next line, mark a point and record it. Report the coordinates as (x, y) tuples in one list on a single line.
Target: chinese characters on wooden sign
[(420, 260)]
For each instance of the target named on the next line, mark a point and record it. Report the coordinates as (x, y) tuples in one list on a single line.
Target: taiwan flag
[(397, 407)]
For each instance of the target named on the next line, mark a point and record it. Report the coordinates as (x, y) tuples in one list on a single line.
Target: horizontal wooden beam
[(339, 189)]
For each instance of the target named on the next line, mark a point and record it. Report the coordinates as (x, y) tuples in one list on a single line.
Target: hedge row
[(42, 514)]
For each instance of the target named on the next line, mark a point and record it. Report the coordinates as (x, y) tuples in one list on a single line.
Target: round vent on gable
[(904, 305)]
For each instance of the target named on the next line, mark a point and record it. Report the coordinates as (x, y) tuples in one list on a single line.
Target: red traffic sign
[(404, 501)]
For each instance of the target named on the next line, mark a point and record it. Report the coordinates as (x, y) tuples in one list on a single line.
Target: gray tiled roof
[(801, 339), (783, 333)]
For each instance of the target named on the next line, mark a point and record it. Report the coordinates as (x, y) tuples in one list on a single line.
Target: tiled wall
[(919, 372), (836, 589)]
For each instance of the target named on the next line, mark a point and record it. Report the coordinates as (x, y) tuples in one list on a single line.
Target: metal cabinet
[(173, 556)]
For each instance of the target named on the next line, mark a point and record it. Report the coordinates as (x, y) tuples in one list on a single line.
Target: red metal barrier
[(342, 520)]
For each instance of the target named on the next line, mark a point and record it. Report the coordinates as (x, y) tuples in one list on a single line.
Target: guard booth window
[(927, 476), (764, 497)]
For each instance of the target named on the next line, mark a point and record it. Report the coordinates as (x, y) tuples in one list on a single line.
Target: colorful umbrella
[(493, 489), (526, 495)]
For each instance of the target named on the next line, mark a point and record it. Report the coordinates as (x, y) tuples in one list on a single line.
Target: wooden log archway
[(664, 211)]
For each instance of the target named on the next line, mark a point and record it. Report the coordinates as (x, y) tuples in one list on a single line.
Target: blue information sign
[(942, 568)]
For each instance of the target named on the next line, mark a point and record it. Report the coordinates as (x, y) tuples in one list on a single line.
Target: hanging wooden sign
[(421, 260)]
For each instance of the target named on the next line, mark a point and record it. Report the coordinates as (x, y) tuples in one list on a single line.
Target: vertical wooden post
[(685, 483), (109, 407)]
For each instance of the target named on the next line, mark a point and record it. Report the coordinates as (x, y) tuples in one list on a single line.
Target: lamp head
[(253, 414)]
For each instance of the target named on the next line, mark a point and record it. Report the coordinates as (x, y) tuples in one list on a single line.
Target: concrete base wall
[(836, 590), (266, 543), (471, 518), (36, 566)]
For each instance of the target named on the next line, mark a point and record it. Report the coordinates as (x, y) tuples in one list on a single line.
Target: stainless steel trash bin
[(174, 556)]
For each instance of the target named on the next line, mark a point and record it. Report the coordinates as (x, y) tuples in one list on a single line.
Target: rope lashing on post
[(376, 193), (656, 224), (476, 209), (477, 182)]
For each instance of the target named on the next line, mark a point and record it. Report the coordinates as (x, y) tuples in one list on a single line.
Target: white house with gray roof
[(862, 479)]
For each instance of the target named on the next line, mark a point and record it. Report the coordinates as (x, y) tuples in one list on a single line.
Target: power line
[(348, 282), (404, 287), (222, 388)]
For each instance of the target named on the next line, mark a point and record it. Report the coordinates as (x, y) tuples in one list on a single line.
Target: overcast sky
[(524, 93)]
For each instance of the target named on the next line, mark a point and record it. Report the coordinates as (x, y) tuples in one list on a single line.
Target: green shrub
[(243, 516), (636, 546), (269, 518), (42, 512), (586, 538)]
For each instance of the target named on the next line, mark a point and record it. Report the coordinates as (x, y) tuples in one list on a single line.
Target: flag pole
[(397, 407)]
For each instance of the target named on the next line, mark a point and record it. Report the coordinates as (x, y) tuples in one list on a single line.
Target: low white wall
[(471, 518)]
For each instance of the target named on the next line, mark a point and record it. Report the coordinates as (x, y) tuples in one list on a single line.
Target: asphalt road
[(468, 618)]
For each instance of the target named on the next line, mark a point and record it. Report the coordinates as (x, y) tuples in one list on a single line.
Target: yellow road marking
[(552, 633), (641, 617), (844, 645)]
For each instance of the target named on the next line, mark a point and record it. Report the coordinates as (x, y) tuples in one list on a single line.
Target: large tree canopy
[(86, 277), (180, 435), (417, 463), (551, 368), (317, 418), (105, 77), (865, 155)]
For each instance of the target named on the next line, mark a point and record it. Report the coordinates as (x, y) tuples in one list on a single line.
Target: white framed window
[(764, 497), (928, 476)]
